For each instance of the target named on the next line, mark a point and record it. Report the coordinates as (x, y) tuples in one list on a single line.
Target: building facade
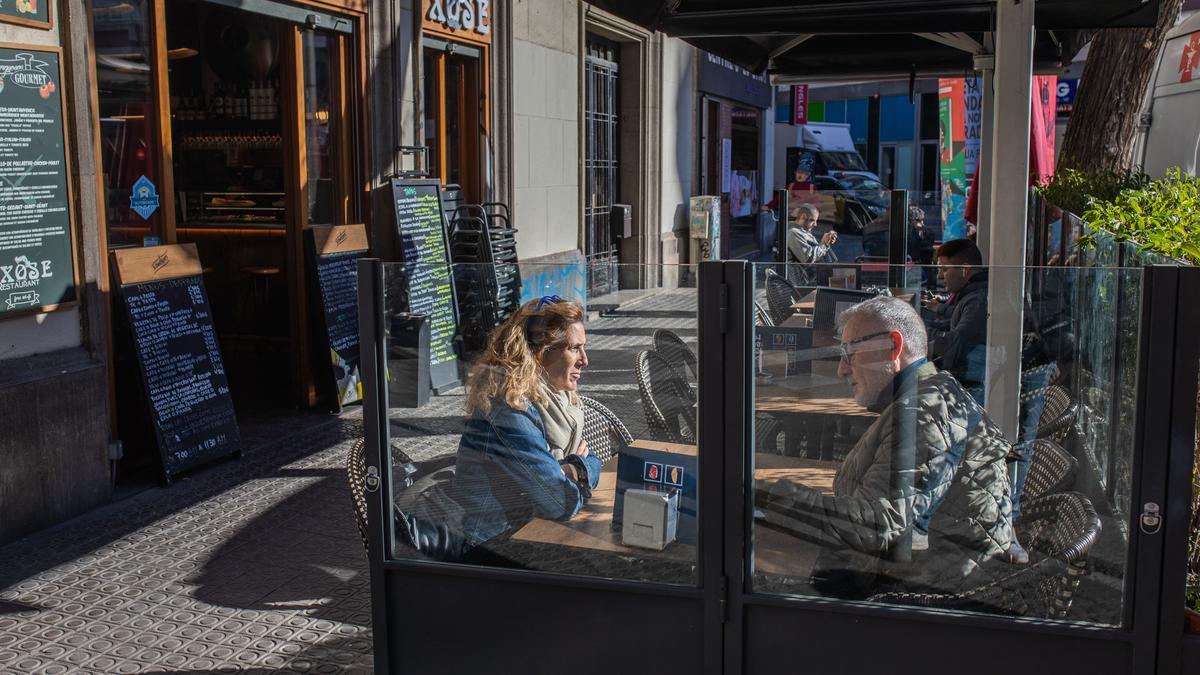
[(234, 128)]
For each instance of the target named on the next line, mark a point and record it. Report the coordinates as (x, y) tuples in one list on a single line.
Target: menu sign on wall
[(419, 223), (182, 373), (34, 13), (37, 268), (333, 253)]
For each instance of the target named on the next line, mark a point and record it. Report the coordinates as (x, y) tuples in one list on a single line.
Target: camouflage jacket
[(921, 503)]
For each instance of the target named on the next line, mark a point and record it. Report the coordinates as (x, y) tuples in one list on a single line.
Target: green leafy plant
[(1162, 217), (1075, 191)]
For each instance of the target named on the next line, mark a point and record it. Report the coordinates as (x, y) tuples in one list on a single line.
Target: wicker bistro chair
[(604, 432), (1051, 469), (1058, 415), (781, 295), (1058, 530), (672, 348), (762, 316), (668, 401), (356, 475)]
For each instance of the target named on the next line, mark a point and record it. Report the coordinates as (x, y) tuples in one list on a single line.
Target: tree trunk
[(1120, 62)]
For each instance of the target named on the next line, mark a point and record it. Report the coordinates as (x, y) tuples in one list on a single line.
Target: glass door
[(453, 102), (127, 69)]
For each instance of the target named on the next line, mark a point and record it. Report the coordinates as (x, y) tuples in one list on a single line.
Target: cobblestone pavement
[(253, 565)]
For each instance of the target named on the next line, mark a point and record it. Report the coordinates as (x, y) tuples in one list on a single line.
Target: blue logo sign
[(1066, 91), (144, 198)]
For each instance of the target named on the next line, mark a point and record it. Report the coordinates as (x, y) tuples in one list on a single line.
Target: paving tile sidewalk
[(251, 565)]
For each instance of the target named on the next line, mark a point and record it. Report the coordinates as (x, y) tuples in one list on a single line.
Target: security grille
[(601, 165)]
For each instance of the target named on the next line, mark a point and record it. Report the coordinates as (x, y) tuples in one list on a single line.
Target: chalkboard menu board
[(170, 320), (34, 13), (422, 231), (333, 254), (37, 268)]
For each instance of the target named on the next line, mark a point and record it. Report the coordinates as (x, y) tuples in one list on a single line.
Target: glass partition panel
[(562, 434), (913, 448)]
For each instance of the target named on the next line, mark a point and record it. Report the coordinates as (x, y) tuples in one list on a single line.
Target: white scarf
[(562, 420)]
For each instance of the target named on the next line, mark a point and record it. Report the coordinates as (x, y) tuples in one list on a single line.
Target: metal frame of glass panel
[(423, 611)]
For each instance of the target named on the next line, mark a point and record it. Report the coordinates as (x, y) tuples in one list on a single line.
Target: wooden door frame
[(353, 194)]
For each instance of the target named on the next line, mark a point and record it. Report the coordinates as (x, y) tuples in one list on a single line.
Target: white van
[(1172, 105), (827, 148)]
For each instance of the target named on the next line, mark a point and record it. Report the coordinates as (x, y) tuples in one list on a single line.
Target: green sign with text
[(36, 259)]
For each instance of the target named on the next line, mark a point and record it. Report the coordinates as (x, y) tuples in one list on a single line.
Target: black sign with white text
[(182, 372)]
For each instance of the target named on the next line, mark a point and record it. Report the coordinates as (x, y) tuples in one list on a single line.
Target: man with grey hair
[(803, 245), (921, 503)]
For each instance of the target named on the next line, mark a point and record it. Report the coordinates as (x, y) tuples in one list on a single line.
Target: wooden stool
[(260, 277)]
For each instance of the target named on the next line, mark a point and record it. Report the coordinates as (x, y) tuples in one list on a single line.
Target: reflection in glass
[(318, 82), (888, 480), (558, 453), (123, 57)]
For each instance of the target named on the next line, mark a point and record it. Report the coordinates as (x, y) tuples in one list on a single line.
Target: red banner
[(799, 104), (1041, 128)]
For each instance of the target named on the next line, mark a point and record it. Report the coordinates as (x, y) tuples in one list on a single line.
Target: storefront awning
[(866, 37)]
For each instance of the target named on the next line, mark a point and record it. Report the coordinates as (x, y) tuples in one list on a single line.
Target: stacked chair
[(487, 279)]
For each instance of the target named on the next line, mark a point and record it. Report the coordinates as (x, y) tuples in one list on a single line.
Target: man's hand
[(582, 450), (829, 238), (931, 304)]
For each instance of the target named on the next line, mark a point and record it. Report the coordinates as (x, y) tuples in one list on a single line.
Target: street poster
[(952, 140), (37, 270)]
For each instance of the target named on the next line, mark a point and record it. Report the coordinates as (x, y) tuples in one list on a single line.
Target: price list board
[(37, 270), (333, 253), (422, 231), (182, 373)]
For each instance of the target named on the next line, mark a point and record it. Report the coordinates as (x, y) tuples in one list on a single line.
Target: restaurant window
[(453, 104), (128, 135)]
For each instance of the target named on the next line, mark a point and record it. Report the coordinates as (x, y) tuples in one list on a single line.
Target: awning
[(828, 39)]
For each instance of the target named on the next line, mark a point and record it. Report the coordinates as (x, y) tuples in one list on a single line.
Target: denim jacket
[(505, 475)]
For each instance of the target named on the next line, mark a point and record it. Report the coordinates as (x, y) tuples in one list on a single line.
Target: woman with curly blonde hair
[(522, 453)]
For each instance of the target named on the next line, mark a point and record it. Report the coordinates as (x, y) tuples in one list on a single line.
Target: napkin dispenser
[(650, 518)]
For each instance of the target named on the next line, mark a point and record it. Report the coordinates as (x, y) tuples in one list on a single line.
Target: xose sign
[(36, 252)]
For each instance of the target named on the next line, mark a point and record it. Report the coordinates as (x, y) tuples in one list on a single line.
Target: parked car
[(849, 202)]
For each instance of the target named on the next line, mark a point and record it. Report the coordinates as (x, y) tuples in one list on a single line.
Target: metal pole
[(1010, 185), (781, 226), (898, 240), (986, 65)]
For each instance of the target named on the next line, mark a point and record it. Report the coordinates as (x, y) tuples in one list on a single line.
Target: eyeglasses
[(847, 355)]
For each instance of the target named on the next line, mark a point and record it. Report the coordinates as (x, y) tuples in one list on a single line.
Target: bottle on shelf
[(273, 100), (217, 103)]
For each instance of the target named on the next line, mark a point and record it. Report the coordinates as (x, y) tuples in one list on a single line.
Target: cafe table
[(776, 552)]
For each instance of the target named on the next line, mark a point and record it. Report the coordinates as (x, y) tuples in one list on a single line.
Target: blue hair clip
[(545, 300)]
